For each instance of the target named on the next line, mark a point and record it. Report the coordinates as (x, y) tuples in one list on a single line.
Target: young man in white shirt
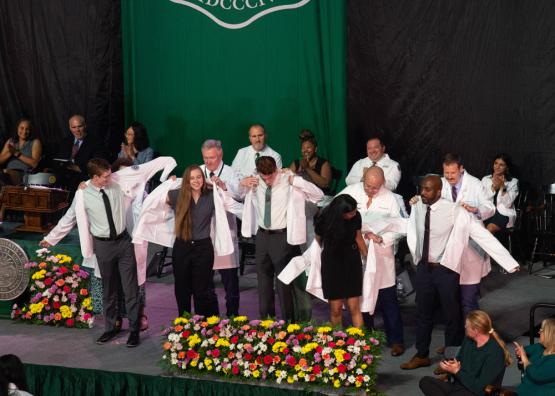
[(245, 160), (376, 156)]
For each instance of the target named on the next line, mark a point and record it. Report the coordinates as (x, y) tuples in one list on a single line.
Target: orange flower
[(42, 265), (260, 334), (204, 324), (45, 301), (57, 316), (60, 282), (215, 337), (230, 355), (277, 359), (281, 335), (76, 267), (28, 315), (83, 292), (252, 366), (308, 336), (340, 343), (181, 355), (245, 327), (178, 328), (303, 362), (167, 345)]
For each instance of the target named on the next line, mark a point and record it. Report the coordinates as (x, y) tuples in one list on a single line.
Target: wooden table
[(36, 203)]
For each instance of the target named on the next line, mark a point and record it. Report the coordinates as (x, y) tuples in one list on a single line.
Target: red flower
[(351, 341), (285, 351), (63, 270), (331, 344), (247, 356), (48, 281), (70, 323), (290, 360), (67, 289), (300, 336), (215, 353), (268, 359), (235, 370), (341, 368), (56, 304), (191, 354), (347, 356), (360, 378), (185, 334), (258, 359), (316, 369), (319, 349), (83, 292), (234, 339), (271, 341)]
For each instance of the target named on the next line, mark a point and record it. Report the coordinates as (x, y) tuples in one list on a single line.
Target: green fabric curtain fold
[(189, 79)]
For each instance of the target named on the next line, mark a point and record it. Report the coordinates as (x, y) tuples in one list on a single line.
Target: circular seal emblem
[(14, 277)]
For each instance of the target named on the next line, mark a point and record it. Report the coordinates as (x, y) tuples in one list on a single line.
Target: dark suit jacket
[(90, 148)]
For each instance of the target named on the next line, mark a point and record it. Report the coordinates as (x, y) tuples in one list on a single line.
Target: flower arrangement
[(268, 350), (59, 293)]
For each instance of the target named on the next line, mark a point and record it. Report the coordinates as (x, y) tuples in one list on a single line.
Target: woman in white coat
[(502, 188)]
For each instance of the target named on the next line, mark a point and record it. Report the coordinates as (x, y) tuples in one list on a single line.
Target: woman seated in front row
[(538, 361), (21, 153), (503, 189), (311, 167), (481, 361)]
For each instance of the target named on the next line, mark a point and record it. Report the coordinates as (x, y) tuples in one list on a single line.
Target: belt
[(118, 237), (195, 241), (270, 232), (433, 265)]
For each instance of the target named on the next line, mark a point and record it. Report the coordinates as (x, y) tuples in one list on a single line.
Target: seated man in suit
[(78, 148)]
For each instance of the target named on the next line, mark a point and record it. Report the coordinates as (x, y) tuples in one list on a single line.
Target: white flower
[(271, 369), (359, 371), (173, 337), (351, 379), (343, 376), (247, 373), (64, 298), (240, 347), (366, 378), (42, 251), (200, 365), (218, 368), (173, 355), (278, 380)]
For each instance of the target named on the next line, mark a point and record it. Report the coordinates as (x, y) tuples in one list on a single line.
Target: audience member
[(312, 167), (481, 361), (375, 150), (13, 371), (21, 153), (466, 190), (136, 146), (245, 159), (538, 361), (338, 232), (279, 215), (502, 188)]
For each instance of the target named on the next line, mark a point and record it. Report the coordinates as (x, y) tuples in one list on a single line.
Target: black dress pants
[(435, 387), (192, 271)]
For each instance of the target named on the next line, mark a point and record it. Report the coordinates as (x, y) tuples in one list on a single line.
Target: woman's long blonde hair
[(548, 330), (183, 218), (481, 321)]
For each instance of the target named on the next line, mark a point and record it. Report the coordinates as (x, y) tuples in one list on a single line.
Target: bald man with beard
[(376, 202)]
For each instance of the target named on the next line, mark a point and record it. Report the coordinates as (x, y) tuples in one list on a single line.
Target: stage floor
[(506, 297)]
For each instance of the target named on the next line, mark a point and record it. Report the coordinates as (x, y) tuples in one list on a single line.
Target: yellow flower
[(290, 379), (358, 384), (278, 373), (339, 355), (209, 368), (36, 308), (207, 362), (256, 373), (66, 311), (336, 383), (193, 340), (324, 329), (301, 374), (293, 327), (279, 347), (355, 331), (180, 320), (240, 319), (309, 347), (297, 367), (222, 342), (62, 258), (194, 363), (87, 303), (266, 323), (363, 366), (39, 274), (212, 320)]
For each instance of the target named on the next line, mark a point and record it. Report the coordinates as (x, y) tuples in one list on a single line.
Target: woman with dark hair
[(21, 153), (502, 187), (481, 361), (311, 167), (337, 230), (193, 251), (136, 147), (13, 371)]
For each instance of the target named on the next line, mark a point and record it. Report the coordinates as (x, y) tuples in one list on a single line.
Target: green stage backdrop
[(198, 69)]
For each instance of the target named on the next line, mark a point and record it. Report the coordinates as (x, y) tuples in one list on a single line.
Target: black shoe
[(133, 339), (106, 336), (117, 326)]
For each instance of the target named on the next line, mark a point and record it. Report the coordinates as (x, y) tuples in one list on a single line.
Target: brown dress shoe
[(397, 349), (439, 371), (440, 350), (416, 362)]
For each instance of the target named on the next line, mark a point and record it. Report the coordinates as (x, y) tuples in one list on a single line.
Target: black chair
[(544, 229), (162, 256)]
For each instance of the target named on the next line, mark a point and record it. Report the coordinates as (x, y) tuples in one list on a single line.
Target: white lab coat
[(476, 264), (157, 220), (244, 161), (299, 192), (132, 181), (505, 202), (391, 170)]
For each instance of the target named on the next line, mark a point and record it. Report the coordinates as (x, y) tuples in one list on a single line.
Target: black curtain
[(469, 76), (59, 58)]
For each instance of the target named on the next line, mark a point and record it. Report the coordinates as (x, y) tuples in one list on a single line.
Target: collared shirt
[(227, 174), (391, 170), (96, 211), (244, 162), (201, 212), (383, 202), (280, 198), (80, 141), (458, 185), (442, 218)]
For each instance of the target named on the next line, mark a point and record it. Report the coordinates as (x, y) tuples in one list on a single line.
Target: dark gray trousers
[(116, 261)]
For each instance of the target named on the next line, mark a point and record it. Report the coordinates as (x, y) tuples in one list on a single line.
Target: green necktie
[(268, 207), (256, 157)]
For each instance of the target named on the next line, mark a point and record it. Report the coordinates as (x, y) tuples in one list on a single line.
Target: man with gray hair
[(215, 171)]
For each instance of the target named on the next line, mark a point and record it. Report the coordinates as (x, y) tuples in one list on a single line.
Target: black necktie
[(108, 208), (256, 157), (426, 243), (211, 174)]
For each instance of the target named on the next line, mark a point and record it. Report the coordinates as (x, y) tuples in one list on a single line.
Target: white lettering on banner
[(240, 7)]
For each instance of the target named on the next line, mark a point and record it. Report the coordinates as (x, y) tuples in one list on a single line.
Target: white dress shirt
[(391, 170), (96, 211), (472, 193), (227, 174), (505, 202), (280, 200), (244, 161)]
